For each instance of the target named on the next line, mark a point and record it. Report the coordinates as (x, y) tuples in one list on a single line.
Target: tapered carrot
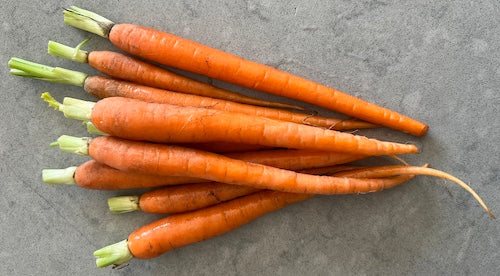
[(160, 159), (102, 87), (138, 120), (187, 55), (97, 176), (183, 229), (134, 70), (178, 199)]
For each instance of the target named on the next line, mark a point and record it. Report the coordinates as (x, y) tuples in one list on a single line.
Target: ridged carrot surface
[(184, 54), (102, 87), (148, 158), (139, 120), (97, 176)]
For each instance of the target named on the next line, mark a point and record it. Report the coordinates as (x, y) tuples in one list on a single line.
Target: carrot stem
[(71, 144), (123, 204), (88, 21), (116, 254), (74, 54), (72, 108), (59, 176), (92, 129), (24, 68)]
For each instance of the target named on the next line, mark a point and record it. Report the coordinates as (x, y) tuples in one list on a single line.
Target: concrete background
[(436, 61)]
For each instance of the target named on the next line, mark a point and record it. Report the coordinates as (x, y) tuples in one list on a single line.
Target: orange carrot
[(97, 176), (183, 229), (187, 55), (178, 199), (124, 67), (138, 120), (224, 147), (102, 87), (167, 160)]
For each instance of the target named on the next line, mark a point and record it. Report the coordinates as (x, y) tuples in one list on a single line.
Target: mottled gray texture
[(437, 61)]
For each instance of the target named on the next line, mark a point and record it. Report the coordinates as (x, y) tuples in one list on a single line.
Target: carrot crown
[(71, 144), (88, 21), (115, 254), (123, 204), (72, 108), (74, 54), (24, 68)]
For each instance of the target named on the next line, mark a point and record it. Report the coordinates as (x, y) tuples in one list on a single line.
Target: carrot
[(134, 70), (97, 176), (102, 87), (224, 147), (170, 50), (178, 199), (162, 159), (138, 120), (183, 229)]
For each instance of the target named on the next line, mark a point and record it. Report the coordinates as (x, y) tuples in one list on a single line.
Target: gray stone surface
[(437, 61)]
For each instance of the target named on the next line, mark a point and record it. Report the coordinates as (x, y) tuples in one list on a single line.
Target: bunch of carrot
[(217, 159)]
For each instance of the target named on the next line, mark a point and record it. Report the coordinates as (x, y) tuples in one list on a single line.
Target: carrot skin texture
[(187, 55), (138, 120), (183, 198), (160, 159), (134, 70), (179, 230), (97, 176), (102, 87)]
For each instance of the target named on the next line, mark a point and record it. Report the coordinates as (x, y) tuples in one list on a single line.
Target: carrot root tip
[(123, 204), (115, 254), (59, 176)]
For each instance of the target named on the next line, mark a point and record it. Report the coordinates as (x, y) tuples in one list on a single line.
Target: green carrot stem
[(24, 68), (92, 129), (59, 176), (123, 204), (88, 21), (115, 254), (71, 144), (72, 108), (74, 54)]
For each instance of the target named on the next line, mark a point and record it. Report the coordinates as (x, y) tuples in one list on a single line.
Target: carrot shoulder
[(187, 55)]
